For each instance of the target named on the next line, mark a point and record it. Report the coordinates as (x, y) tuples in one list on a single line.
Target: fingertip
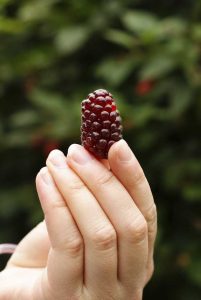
[(115, 149), (54, 153), (44, 177), (38, 176), (73, 147), (56, 160), (43, 170)]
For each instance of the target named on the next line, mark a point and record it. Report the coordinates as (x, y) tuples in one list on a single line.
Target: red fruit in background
[(144, 87), (49, 146), (101, 123), (42, 143)]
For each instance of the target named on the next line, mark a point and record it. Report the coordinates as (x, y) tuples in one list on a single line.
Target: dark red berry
[(101, 123), (106, 124)]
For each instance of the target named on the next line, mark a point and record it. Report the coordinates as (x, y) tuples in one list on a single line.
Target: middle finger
[(123, 213)]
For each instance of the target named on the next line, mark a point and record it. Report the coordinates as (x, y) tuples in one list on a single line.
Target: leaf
[(62, 118), (121, 38), (140, 21), (157, 66), (172, 27), (49, 102), (35, 10), (196, 32), (3, 3), (18, 138), (24, 118), (37, 58), (71, 39), (116, 71), (11, 25), (194, 271), (180, 97), (143, 114)]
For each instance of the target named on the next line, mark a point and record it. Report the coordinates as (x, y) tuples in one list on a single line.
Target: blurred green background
[(148, 54)]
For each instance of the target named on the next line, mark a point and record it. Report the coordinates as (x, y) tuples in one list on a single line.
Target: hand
[(101, 225)]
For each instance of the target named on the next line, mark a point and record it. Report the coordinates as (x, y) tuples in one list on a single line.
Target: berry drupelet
[(101, 123)]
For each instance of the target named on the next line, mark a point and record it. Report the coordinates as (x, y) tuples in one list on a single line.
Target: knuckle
[(105, 178), (76, 185), (151, 214), (137, 230), (58, 205), (104, 238), (73, 247)]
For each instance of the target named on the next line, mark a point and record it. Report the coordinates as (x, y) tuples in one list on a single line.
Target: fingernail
[(124, 152), (79, 154), (46, 176), (58, 159)]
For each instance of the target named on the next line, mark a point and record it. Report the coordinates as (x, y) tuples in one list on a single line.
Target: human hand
[(101, 226)]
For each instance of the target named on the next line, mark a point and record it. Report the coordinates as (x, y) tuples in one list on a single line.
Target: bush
[(52, 54)]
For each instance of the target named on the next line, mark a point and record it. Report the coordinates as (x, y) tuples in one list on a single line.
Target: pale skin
[(97, 238)]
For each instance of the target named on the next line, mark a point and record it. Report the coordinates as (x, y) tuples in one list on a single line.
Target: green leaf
[(172, 27), (62, 117), (35, 10), (24, 118), (5, 2), (194, 271), (49, 102), (139, 21), (116, 71), (71, 39), (196, 32), (121, 38), (37, 58), (157, 66), (11, 26), (143, 114), (180, 97), (18, 138)]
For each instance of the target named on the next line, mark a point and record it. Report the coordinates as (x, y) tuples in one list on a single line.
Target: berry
[(101, 123), (144, 87)]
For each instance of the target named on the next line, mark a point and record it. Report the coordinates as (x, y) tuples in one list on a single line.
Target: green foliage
[(52, 54)]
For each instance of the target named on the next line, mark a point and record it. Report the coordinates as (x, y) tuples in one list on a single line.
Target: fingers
[(98, 234), (118, 205), (65, 261), (33, 250), (128, 170)]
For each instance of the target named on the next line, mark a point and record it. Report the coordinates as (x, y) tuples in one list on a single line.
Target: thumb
[(32, 251)]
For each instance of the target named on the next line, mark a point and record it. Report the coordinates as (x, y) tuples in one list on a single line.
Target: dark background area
[(148, 55)]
